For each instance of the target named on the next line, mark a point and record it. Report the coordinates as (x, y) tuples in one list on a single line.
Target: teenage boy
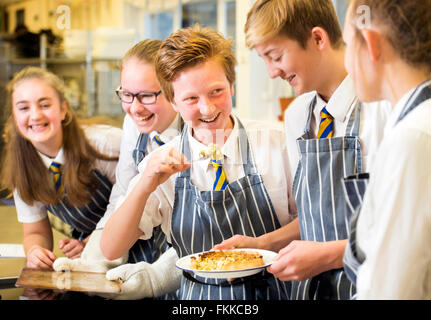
[(329, 133)]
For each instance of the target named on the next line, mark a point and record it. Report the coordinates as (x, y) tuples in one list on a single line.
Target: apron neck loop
[(419, 95), (244, 146), (352, 128)]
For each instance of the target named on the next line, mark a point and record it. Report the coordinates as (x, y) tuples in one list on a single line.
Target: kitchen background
[(83, 40)]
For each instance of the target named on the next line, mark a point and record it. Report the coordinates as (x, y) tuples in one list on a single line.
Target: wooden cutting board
[(70, 281)]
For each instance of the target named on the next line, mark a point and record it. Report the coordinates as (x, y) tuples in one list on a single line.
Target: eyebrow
[(39, 100)]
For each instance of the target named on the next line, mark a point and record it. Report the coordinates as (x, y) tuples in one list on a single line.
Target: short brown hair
[(188, 47), (406, 24), (293, 19)]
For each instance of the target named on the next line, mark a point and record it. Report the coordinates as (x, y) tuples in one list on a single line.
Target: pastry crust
[(225, 260)]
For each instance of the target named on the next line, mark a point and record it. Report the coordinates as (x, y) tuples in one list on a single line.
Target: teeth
[(290, 78), (38, 127), (210, 120), (144, 118)]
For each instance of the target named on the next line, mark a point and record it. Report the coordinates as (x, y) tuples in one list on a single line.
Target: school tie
[(326, 127), (159, 141), (55, 170), (220, 179)]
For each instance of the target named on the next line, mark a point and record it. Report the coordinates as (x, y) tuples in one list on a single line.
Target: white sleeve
[(125, 169), (395, 221), (27, 213), (159, 205), (107, 140)]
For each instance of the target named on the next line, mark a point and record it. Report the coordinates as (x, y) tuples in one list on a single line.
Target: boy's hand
[(163, 163)]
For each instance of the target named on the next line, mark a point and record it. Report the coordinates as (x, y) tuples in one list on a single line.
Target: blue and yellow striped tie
[(220, 179), (55, 170), (159, 141), (326, 127)]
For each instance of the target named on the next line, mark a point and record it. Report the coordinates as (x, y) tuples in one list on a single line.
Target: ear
[(63, 110), (174, 106), (232, 90), (320, 38), (373, 42)]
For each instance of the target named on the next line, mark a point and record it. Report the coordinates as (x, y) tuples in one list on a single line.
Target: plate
[(185, 264)]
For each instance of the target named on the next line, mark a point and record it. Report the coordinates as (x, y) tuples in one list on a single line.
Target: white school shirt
[(270, 156), (394, 225), (126, 168), (106, 139), (340, 106)]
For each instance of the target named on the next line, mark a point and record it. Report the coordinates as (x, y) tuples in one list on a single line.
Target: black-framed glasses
[(143, 97)]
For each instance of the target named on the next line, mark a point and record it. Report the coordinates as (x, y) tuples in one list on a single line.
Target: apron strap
[(244, 146), (353, 125), (140, 149), (354, 121), (419, 95)]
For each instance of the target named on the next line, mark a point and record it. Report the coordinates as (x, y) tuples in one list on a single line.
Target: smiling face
[(38, 114), (285, 58), (203, 97), (138, 76)]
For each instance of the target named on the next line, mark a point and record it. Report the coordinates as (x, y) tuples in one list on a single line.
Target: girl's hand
[(163, 163), (40, 258), (72, 248)]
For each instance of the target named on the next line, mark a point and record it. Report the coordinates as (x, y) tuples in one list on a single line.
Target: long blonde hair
[(23, 169)]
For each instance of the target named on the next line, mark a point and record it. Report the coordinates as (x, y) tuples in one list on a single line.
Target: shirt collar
[(397, 110), (341, 100), (229, 149), (170, 132), (59, 158)]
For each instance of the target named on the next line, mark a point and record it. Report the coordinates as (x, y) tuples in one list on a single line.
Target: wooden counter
[(11, 232)]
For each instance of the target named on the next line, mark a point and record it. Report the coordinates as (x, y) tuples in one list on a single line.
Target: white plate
[(185, 264)]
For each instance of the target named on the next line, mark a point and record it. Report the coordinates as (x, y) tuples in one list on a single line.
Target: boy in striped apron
[(389, 252), (329, 133), (197, 203)]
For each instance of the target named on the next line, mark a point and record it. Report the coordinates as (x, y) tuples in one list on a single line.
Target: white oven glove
[(144, 280), (92, 258)]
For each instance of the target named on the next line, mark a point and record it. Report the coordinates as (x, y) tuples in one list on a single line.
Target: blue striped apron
[(354, 188), (84, 219), (317, 187), (201, 219)]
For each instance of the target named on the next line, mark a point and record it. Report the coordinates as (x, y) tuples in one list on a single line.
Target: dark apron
[(202, 219), (319, 197), (355, 186), (84, 219)]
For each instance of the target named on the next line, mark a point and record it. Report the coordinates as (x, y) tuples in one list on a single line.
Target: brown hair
[(23, 169), (293, 19), (406, 25), (145, 51), (189, 47)]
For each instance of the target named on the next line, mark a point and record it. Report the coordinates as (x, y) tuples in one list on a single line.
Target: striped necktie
[(55, 170), (326, 127), (159, 141), (220, 179)]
